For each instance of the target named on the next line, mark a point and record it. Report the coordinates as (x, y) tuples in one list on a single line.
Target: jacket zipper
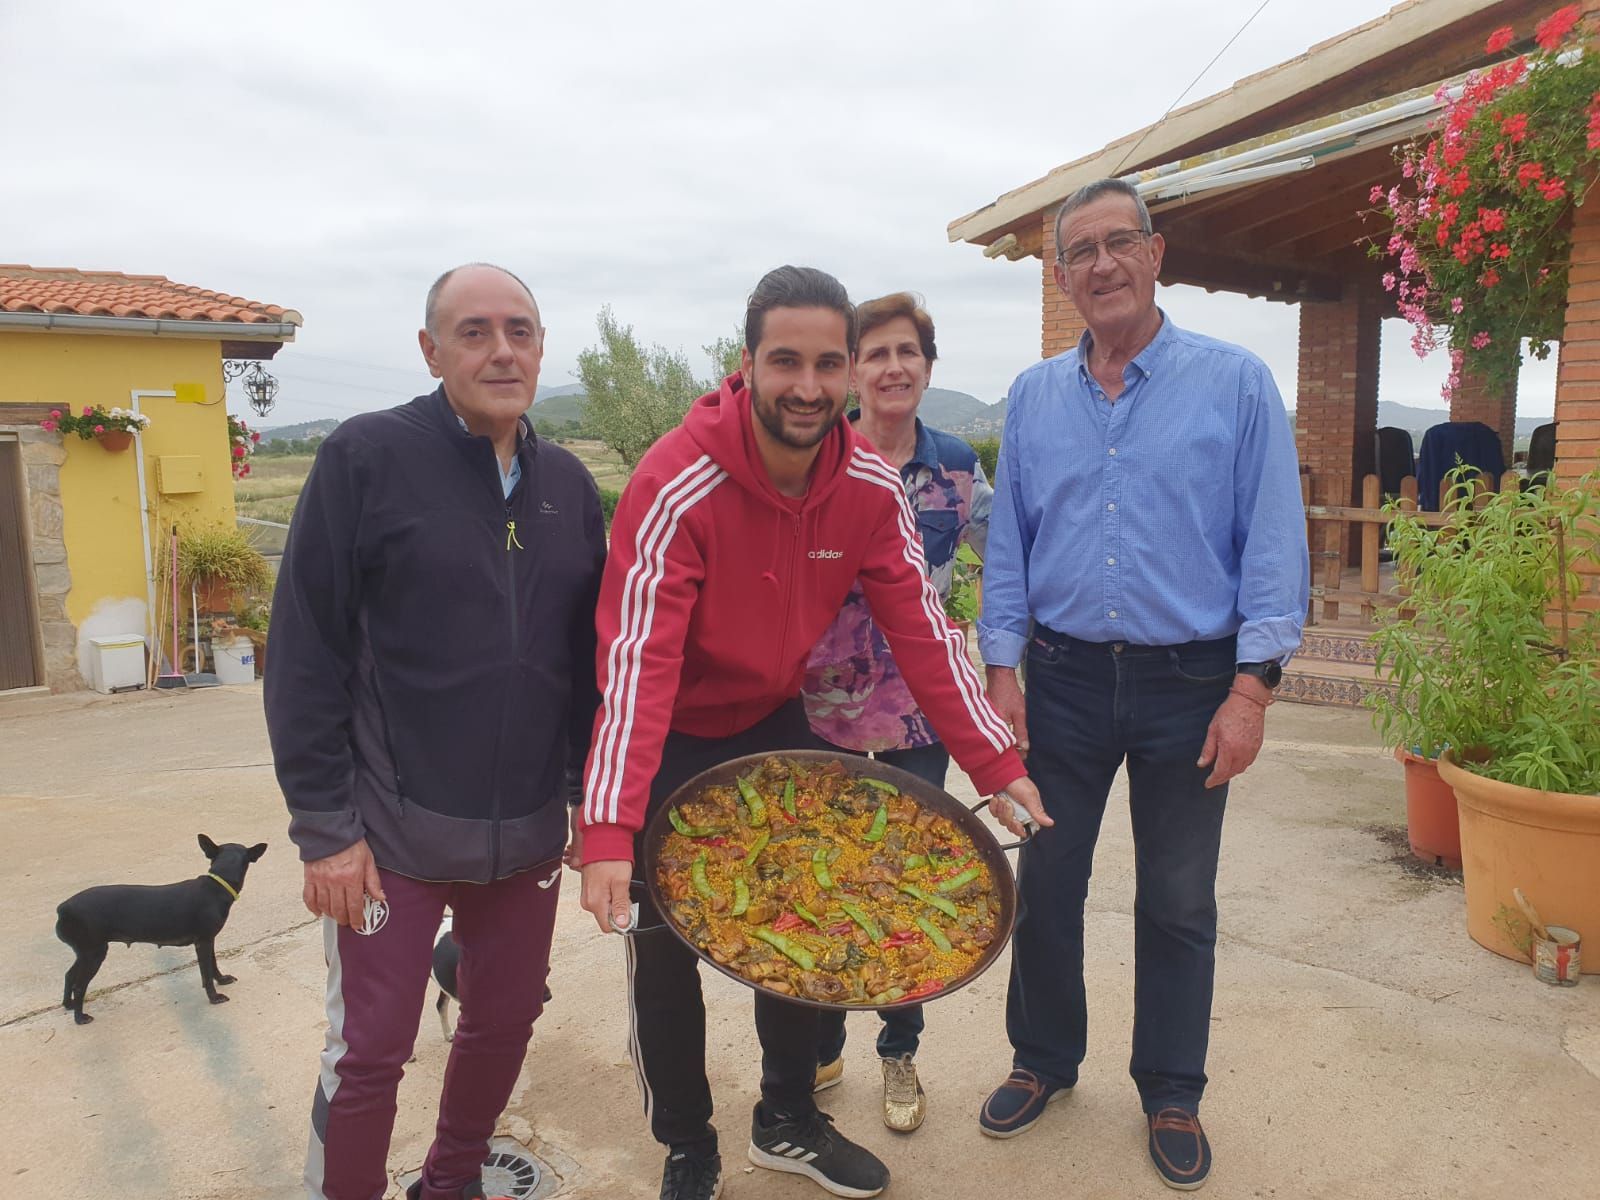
[(788, 593)]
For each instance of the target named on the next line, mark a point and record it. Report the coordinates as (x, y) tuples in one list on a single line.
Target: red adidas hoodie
[(717, 587)]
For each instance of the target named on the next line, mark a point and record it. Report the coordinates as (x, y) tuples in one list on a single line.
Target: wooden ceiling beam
[(1234, 272)]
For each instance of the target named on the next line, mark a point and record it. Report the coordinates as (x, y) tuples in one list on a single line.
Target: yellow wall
[(99, 490)]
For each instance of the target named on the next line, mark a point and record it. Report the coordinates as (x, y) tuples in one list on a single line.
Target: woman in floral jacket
[(855, 698)]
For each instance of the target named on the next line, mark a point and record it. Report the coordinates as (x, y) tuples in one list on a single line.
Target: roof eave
[(265, 331)]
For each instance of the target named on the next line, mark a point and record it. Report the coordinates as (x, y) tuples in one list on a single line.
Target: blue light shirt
[(508, 479), (1172, 515)]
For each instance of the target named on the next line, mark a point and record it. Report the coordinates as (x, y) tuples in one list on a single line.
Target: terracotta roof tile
[(111, 293)]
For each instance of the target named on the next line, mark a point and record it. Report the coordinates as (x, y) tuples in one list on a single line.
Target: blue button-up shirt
[(508, 478), (1170, 515)]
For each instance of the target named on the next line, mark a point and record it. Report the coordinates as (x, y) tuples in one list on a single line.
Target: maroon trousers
[(376, 987)]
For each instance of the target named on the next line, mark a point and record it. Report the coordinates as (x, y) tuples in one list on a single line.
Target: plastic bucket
[(236, 661)]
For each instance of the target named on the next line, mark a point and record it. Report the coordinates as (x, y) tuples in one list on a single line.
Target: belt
[(1046, 636)]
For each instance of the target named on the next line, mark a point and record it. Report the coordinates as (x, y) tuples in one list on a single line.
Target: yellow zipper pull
[(511, 535)]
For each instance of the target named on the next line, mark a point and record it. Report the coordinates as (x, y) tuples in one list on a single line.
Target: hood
[(720, 424)]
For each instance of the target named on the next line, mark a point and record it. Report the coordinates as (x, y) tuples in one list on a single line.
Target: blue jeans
[(1092, 706), (902, 1028)]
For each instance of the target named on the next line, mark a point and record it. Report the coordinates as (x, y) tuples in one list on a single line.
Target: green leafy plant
[(961, 605), (218, 554), (1481, 219), (94, 420), (1477, 661)]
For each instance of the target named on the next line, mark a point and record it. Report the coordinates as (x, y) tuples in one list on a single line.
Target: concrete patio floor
[(1362, 1046)]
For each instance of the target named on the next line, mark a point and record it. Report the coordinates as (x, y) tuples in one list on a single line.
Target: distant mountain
[(305, 429), (958, 412), (564, 403), (1418, 419)]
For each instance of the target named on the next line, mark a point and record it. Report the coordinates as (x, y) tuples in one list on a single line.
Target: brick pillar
[(1336, 404), (1475, 400), (1578, 374), (1061, 326)]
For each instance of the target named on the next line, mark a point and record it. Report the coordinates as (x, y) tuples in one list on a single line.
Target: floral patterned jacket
[(854, 695)]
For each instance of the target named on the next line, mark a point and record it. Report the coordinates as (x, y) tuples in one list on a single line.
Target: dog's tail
[(69, 926)]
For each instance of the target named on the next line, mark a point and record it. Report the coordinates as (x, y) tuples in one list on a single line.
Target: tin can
[(1556, 959)]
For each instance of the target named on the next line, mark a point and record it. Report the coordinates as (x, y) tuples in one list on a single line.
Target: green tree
[(637, 393), (724, 354)]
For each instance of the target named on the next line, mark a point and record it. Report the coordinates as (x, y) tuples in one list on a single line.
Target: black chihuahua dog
[(446, 961), (190, 913)]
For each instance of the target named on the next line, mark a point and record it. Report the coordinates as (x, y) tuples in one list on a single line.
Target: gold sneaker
[(828, 1074), (904, 1103)]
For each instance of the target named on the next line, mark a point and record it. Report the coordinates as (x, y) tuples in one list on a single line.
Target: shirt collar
[(926, 451), (1145, 361)]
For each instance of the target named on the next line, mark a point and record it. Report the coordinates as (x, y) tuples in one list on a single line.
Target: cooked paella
[(812, 880)]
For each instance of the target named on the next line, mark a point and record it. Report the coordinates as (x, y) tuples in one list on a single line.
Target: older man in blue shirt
[(1147, 556)]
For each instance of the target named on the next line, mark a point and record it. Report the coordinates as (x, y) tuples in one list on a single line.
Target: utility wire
[(1152, 128)]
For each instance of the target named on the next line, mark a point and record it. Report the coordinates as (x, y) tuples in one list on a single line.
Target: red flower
[(1499, 40), (1515, 127), (55, 414), (48, 425), (1493, 219), (255, 437), (1550, 32), (238, 451), (1552, 189), (1530, 172), (1499, 250), (88, 411), (99, 428), (1489, 278)]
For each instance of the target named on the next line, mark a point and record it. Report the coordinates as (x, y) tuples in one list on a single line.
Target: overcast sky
[(334, 157)]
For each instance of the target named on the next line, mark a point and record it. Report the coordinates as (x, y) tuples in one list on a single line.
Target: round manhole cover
[(512, 1174)]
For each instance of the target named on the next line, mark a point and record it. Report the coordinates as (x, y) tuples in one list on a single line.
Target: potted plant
[(113, 428), (961, 605), (221, 563), (1497, 671)]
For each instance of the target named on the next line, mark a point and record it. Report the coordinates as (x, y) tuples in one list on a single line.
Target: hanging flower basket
[(114, 440), (113, 428), (1480, 224)]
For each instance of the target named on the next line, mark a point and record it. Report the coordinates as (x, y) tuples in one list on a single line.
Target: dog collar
[(226, 886)]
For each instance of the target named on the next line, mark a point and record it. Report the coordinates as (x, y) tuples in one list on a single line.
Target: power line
[(1152, 128)]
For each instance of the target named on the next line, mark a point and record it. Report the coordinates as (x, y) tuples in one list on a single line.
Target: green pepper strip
[(915, 862), (802, 911), (691, 831), (758, 806), (881, 784), (741, 896), (788, 797), (757, 847), (934, 932), (697, 875), (938, 902), (796, 953), (889, 997), (880, 822), (961, 880), (861, 919), (819, 868)]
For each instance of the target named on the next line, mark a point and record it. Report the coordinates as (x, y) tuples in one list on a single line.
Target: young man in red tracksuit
[(733, 548)]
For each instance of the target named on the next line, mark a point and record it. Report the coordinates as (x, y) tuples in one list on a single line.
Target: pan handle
[(1029, 825)]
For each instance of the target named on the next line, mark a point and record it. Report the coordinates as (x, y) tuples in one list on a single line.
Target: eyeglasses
[(1124, 243)]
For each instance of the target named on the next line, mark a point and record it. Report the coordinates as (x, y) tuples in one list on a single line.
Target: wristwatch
[(1270, 673)]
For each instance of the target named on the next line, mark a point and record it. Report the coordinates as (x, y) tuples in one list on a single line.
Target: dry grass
[(269, 492)]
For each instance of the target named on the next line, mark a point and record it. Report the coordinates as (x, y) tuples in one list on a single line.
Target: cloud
[(334, 158)]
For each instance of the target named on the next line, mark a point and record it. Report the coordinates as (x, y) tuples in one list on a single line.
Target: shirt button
[(1111, 562), (1112, 452), (1112, 614), (1112, 507)]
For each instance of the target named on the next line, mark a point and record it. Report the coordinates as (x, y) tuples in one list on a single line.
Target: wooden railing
[(1332, 524)]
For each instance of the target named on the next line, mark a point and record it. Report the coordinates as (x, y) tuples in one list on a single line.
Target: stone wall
[(42, 456)]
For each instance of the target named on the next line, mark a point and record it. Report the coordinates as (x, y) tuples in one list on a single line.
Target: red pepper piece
[(905, 938), (710, 841), (839, 930), (787, 922), (922, 990)]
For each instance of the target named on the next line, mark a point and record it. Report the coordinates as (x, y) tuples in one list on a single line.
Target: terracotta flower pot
[(1546, 843), (216, 596), (114, 440), (1433, 826)]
